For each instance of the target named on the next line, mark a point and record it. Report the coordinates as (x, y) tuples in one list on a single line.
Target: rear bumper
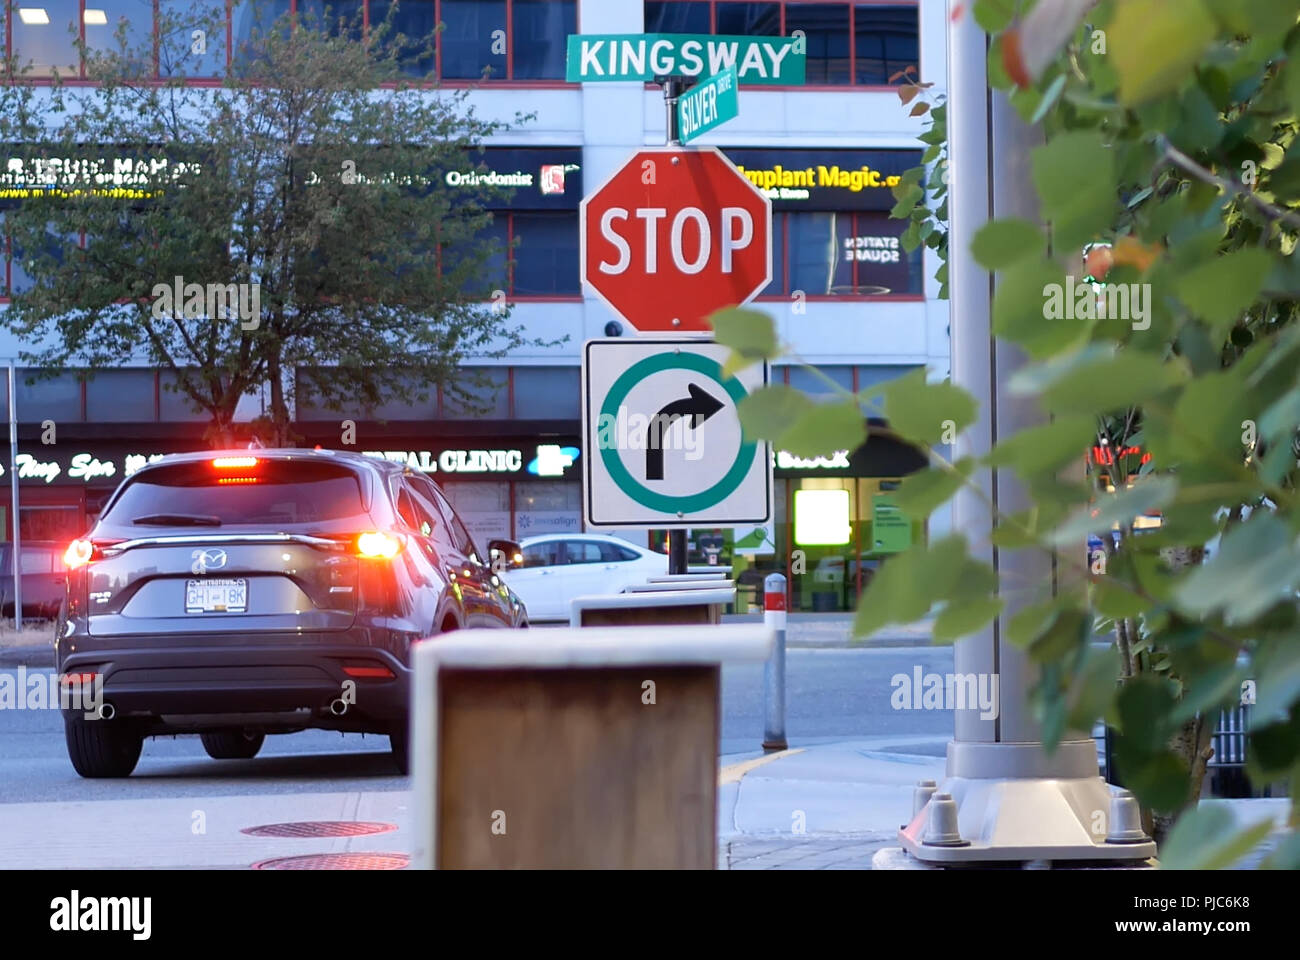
[(178, 688)]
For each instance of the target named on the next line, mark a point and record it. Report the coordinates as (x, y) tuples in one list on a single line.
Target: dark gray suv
[(239, 593)]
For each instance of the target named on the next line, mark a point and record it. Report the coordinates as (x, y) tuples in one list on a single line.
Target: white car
[(560, 566)]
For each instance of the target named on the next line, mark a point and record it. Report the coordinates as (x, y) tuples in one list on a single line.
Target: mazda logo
[(205, 560)]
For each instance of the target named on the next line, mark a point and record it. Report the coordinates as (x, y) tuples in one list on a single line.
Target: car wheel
[(399, 743), (102, 748), (231, 744)]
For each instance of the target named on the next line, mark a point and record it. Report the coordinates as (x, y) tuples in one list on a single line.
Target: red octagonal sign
[(675, 235)]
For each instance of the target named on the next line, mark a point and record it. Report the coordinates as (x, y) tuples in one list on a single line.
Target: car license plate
[(216, 596)]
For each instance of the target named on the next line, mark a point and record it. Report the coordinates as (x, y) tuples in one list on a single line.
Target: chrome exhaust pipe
[(106, 711), (339, 707)]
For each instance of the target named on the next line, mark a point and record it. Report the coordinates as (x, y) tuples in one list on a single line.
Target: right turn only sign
[(666, 448)]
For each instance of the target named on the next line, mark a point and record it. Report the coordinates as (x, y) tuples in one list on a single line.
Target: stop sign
[(674, 235)]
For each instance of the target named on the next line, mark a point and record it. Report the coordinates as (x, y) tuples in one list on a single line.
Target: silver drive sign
[(664, 439)]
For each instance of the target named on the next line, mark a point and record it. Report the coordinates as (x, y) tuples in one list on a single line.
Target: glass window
[(24, 269), (489, 275), (581, 551), (612, 553), (818, 389), (827, 28), (777, 286), (174, 406), (120, 396), (410, 32), (395, 408), (485, 387), (44, 33), (548, 393), (464, 542), (474, 39), (483, 506), (38, 559), (541, 30), (103, 18), (544, 554), (816, 253), (183, 53), (249, 24), (546, 257), (47, 523), (749, 19), (548, 506), (335, 16), (883, 266), (885, 40), (57, 398), (674, 17)]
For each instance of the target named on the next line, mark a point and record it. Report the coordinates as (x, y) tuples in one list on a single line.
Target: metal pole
[(13, 483), (774, 669), (677, 551), (674, 87)]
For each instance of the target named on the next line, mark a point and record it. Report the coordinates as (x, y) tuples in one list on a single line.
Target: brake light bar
[(224, 481), (228, 463)]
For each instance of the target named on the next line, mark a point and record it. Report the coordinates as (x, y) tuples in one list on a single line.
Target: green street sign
[(708, 104), (644, 56), (891, 530)]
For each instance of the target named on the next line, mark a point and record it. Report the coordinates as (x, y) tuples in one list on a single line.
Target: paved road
[(831, 694)]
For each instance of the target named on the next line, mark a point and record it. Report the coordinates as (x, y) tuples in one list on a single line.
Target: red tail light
[(375, 545), (223, 481), (378, 673), (82, 552), (231, 463)]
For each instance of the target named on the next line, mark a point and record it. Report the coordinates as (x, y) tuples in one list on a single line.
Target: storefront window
[(484, 506), (250, 23), (103, 18), (174, 406), (548, 506), (55, 398), (818, 266), (120, 396), (58, 523), (827, 28), (488, 395)]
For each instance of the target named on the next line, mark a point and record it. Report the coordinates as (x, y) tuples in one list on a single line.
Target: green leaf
[(1116, 602), (1207, 838), (910, 584), (750, 334), (1149, 493), (767, 413), (1045, 448), (923, 412), (1074, 174), (824, 428), (1000, 243), (1256, 566), (1130, 376), (1020, 302), (994, 16), (923, 492), (1050, 96), (1155, 44), (961, 618), (1220, 290), (1277, 670)]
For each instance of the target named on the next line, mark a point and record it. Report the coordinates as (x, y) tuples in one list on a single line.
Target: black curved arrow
[(699, 406)]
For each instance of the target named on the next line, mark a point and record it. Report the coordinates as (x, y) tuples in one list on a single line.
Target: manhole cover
[(337, 861), (320, 828)]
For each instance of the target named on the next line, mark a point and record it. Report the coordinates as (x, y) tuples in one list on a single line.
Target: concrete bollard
[(774, 669)]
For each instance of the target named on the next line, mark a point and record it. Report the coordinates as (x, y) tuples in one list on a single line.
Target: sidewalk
[(822, 806)]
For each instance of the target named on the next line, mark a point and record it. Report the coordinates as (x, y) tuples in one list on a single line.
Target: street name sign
[(708, 104), (667, 451), (645, 56), (675, 234)]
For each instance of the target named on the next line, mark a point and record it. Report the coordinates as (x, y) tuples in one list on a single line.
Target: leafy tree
[(293, 178), (1170, 145)]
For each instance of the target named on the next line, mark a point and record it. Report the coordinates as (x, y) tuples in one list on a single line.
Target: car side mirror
[(504, 554)]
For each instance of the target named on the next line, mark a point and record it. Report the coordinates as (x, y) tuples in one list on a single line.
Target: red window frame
[(81, 79), (853, 46)]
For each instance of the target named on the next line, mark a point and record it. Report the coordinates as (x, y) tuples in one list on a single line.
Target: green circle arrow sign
[(614, 463)]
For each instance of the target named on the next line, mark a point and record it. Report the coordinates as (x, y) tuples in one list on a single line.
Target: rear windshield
[(278, 492)]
